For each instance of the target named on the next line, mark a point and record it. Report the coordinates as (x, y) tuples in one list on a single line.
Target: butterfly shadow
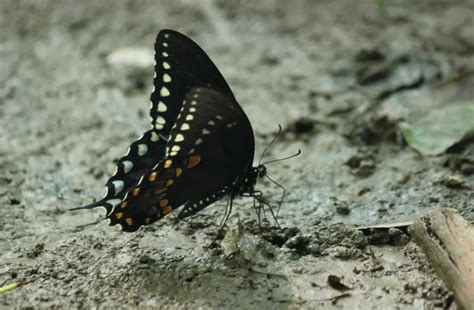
[(246, 277), (216, 285)]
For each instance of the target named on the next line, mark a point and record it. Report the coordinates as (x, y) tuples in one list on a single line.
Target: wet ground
[(338, 76)]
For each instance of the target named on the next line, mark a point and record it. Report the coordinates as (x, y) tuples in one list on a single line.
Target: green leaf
[(440, 129)]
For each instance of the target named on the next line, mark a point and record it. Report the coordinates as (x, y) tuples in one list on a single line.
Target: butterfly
[(200, 147)]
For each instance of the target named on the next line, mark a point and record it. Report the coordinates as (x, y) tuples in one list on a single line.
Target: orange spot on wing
[(160, 190), (169, 182), (179, 171), (136, 191), (167, 210), (168, 163), (152, 176), (124, 204), (164, 202), (129, 221), (119, 215), (193, 160)]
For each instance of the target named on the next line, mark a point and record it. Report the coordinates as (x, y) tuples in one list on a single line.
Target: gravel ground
[(330, 72)]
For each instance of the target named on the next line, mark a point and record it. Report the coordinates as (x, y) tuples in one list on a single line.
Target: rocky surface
[(338, 76)]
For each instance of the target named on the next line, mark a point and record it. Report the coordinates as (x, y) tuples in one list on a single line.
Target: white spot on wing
[(160, 120), (162, 107), (113, 202), (164, 92), (198, 141), (159, 126), (185, 126), (165, 54), (193, 102), (118, 186), (211, 123), (127, 166), (154, 136), (189, 117), (142, 149), (179, 138), (205, 131), (192, 110), (175, 148), (166, 65), (166, 78)]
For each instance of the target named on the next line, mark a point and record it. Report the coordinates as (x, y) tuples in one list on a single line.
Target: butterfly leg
[(228, 210), (258, 195), (255, 207), (257, 210), (282, 196)]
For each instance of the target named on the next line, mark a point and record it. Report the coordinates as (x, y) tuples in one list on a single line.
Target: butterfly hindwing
[(196, 162), (141, 156), (193, 207), (146, 202)]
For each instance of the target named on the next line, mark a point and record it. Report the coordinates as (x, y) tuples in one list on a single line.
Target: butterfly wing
[(140, 158), (210, 149), (180, 64), (200, 145)]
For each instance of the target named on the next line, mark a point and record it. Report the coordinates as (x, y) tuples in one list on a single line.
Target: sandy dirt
[(332, 73)]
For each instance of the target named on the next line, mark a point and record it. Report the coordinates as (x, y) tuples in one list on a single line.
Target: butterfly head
[(257, 172), (260, 170)]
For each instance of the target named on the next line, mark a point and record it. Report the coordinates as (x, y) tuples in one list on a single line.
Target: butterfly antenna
[(268, 146), (282, 196), (280, 159)]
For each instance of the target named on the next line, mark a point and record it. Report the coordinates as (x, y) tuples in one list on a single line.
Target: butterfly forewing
[(180, 64)]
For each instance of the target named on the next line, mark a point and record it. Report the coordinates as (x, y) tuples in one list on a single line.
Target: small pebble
[(454, 181), (343, 209), (136, 57)]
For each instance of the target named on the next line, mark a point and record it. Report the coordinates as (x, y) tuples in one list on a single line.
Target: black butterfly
[(200, 148)]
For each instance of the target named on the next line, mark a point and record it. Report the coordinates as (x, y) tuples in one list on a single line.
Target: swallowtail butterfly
[(200, 147)]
